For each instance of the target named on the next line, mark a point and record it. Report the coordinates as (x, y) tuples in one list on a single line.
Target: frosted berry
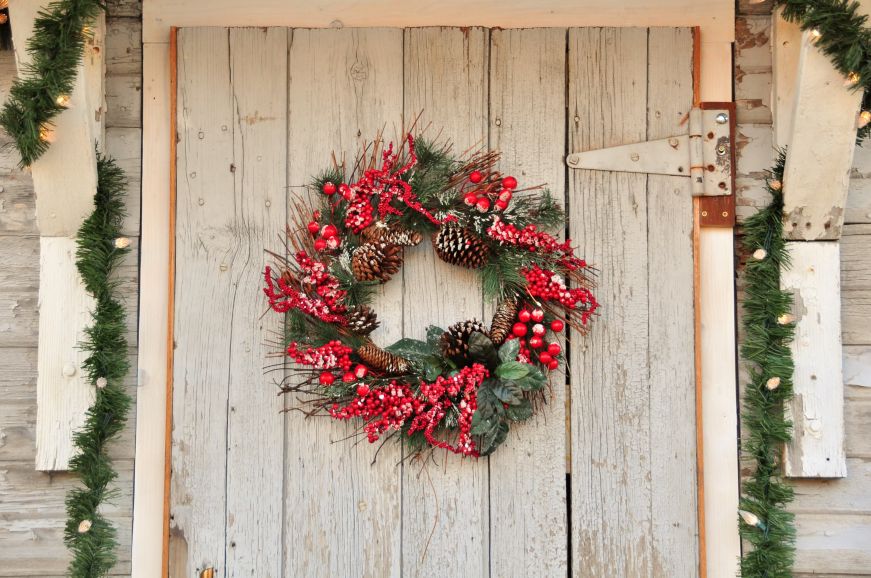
[(470, 199), (362, 389), (545, 358), (505, 195), (538, 329), (314, 228), (483, 205), (329, 231), (349, 377), (501, 205), (557, 325), (329, 188), (361, 371), (524, 315), (537, 315), (320, 244), (326, 378), (519, 329), (509, 182), (332, 242), (536, 342), (476, 177), (554, 348)]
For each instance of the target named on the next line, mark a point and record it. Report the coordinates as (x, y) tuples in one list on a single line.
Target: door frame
[(717, 412)]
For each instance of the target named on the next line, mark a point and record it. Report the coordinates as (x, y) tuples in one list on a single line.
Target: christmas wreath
[(462, 387)]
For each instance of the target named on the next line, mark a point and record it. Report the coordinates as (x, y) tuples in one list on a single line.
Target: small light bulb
[(122, 243), (864, 119), (102, 382), (63, 100), (749, 518), (772, 383), (46, 133), (4, 19), (760, 254), (775, 185), (815, 34), (84, 526), (785, 319), (852, 79)]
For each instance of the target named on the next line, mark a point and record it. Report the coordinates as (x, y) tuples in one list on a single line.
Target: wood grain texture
[(205, 247), (342, 513), (445, 522), (817, 409), (611, 494), (530, 467)]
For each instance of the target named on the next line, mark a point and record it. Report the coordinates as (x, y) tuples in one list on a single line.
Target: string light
[(46, 133), (852, 79), (760, 254), (122, 243), (63, 100), (751, 519), (4, 18), (84, 526), (775, 185), (772, 383), (785, 319), (815, 34), (864, 119), (102, 382)]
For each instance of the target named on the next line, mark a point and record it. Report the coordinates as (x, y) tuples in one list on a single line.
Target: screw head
[(722, 118)]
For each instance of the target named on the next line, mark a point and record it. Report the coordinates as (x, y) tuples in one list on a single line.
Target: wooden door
[(603, 482)]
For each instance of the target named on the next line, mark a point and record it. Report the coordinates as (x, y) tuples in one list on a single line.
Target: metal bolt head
[(722, 118), (722, 150)]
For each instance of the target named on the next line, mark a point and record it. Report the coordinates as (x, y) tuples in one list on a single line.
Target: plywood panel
[(445, 504), (204, 292), (342, 512), (610, 411), (528, 472)]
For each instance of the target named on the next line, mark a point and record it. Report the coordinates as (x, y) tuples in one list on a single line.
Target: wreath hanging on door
[(463, 387)]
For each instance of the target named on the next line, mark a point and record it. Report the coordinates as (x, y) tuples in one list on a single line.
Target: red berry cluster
[(291, 293), (549, 286), (496, 193), (382, 409), (326, 237), (532, 321), (529, 238), (331, 355)]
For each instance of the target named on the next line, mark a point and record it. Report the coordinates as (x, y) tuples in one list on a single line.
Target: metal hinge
[(706, 154)]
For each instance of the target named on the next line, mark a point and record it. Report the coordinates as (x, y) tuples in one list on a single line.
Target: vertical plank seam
[(285, 193), (567, 381), (487, 74), (651, 544), (236, 120), (402, 320)]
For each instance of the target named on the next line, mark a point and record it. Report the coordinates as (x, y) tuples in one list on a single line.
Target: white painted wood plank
[(342, 512), (63, 203), (786, 49), (204, 293), (671, 317), (716, 17), (833, 544), (445, 504), (63, 392), (610, 388), (820, 154), (817, 410), (719, 401), (147, 555), (253, 216), (528, 473)]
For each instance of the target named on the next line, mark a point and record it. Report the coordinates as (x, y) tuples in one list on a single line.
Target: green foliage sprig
[(89, 535), (55, 48), (768, 331)]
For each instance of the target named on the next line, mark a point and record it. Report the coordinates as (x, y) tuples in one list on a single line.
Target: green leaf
[(411, 349), (491, 439), (488, 404), (509, 350), (520, 412), (533, 381), (482, 350), (481, 424), (508, 392), (513, 370), (433, 336)]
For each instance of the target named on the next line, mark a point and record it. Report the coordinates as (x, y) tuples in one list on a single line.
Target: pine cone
[(460, 246), (377, 358), (376, 261), (455, 341), (362, 320), (503, 320), (394, 234)]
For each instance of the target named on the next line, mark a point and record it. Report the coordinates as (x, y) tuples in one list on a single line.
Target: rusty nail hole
[(704, 213), (725, 213), (710, 168), (680, 169), (827, 225), (722, 185), (710, 135), (807, 225)]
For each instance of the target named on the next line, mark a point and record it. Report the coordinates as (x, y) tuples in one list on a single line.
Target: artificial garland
[(463, 387), (89, 535), (42, 92)]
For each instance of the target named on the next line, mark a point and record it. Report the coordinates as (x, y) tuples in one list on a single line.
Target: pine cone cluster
[(377, 358), (376, 261), (503, 320), (455, 341), (460, 246), (362, 320), (394, 235)]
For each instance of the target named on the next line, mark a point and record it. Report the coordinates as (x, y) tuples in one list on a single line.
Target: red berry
[(361, 371), (320, 245), (349, 377), (346, 192), (505, 195), (536, 342), (326, 378), (476, 177), (538, 329), (557, 325), (545, 358), (501, 205), (537, 315), (554, 348), (484, 205), (509, 182), (329, 231), (332, 242), (329, 188), (519, 329), (524, 315), (362, 389), (554, 364), (470, 199), (314, 228)]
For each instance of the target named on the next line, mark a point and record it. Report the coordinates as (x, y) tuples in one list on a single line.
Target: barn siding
[(32, 512), (833, 517)]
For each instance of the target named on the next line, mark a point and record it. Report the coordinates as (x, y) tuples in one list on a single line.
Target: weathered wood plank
[(671, 317), (123, 101), (445, 523), (856, 317), (786, 50), (123, 46), (257, 209), (63, 392), (125, 146), (610, 389), (753, 69), (817, 410), (203, 286), (858, 202), (333, 494), (838, 496), (857, 366), (837, 544), (530, 468)]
